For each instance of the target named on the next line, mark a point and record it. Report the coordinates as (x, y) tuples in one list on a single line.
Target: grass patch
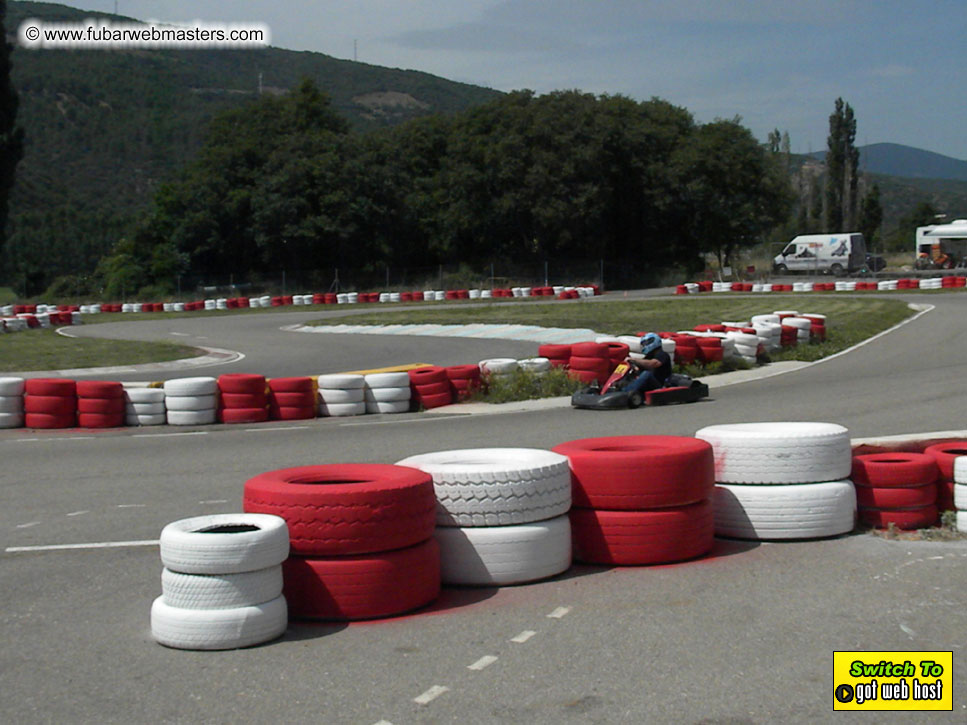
[(849, 321), (526, 385), (946, 531), (46, 350)]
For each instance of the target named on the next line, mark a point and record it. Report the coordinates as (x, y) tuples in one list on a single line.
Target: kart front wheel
[(635, 399)]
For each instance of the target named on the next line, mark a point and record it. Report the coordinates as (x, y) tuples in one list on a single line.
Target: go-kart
[(613, 396)]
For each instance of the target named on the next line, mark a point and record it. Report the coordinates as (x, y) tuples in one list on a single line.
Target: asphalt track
[(744, 636)]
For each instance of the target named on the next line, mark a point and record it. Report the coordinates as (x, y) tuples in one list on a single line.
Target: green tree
[(842, 164), (903, 238), (871, 216), (11, 135)]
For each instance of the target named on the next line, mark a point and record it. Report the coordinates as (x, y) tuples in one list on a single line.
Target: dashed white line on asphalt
[(384, 722), (132, 505), (215, 500), (273, 429), (426, 419), (483, 662), (171, 435), (181, 334), (430, 695), (523, 636), (559, 612), (78, 513), (28, 525), (96, 545), (59, 438)]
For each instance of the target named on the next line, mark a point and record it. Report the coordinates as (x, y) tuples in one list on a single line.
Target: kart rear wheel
[(635, 399)]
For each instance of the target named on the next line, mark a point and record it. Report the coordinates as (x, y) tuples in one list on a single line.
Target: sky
[(901, 64)]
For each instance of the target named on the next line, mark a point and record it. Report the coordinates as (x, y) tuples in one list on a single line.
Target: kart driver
[(655, 367)]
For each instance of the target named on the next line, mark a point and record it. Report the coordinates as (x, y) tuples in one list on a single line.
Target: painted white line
[(383, 722), (924, 309), (28, 525), (59, 438), (935, 558), (420, 419), (523, 636), (132, 505), (483, 662), (66, 547), (272, 429), (559, 612), (78, 513), (180, 334), (171, 435), (215, 500), (430, 695)]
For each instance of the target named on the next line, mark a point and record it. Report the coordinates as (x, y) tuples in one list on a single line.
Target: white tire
[(191, 417), (801, 511), (342, 409), (144, 395), (387, 380), (535, 364), (11, 420), (136, 419), (746, 350), (960, 496), (499, 555), (215, 629), (11, 404), (632, 341), (224, 543), (352, 395), (341, 381), (387, 395), (11, 386), (221, 591), (190, 402), (145, 409), (777, 453), (744, 338), (191, 386), (388, 406), (496, 486), (960, 470), (498, 365), (962, 521)]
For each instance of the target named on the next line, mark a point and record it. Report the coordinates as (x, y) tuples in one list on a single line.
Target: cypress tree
[(11, 136)]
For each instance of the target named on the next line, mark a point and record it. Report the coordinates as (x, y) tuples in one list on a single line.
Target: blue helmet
[(650, 343)]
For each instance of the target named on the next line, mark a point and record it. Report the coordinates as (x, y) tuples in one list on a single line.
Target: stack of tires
[(590, 362), (341, 394), (945, 454), (896, 489), (784, 480), (464, 380), (144, 406), (361, 538), (222, 582), (11, 402), (430, 387), (100, 404), (191, 401), (746, 344), (50, 403), (387, 392), (803, 327), (640, 500), (243, 398), (535, 365), (960, 492), (817, 329), (292, 398), (618, 352), (686, 349), (501, 514), (559, 355), (497, 367)]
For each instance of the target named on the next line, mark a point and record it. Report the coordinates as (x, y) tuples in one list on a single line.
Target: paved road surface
[(745, 636)]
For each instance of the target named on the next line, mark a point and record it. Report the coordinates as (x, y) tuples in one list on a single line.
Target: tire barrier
[(430, 387), (640, 499), (945, 455), (590, 362), (191, 401), (960, 492), (100, 404), (243, 398), (559, 355), (144, 406), (387, 392), (221, 583), (292, 398), (784, 480), (925, 283), (501, 513), (341, 394), (361, 538), (464, 381), (50, 403), (11, 402)]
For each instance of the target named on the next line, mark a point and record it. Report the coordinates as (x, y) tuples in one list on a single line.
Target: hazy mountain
[(895, 159)]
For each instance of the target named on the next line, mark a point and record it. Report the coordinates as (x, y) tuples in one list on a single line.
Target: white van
[(822, 253)]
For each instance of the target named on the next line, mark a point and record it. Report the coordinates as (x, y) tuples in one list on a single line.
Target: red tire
[(100, 420), (48, 420), (243, 415), (887, 470), (913, 518), (425, 389), (435, 401), (463, 372), (584, 376), (241, 383), (685, 355), (293, 400), (896, 497), (626, 473), (99, 389), (710, 354), (554, 352), (945, 496), (635, 538), (365, 586), (944, 454), (589, 363), (292, 412), (343, 509), (244, 400), (589, 349), (50, 404), (617, 351), (428, 376), (100, 406), (50, 386), (291, 385), (709, 342)]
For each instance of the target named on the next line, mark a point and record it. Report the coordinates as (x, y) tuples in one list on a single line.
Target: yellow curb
[(391, 369)]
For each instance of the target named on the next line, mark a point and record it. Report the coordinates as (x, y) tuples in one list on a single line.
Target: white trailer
[(945, 244)]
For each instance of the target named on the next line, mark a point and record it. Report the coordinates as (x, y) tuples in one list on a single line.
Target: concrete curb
[(212, 356)]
